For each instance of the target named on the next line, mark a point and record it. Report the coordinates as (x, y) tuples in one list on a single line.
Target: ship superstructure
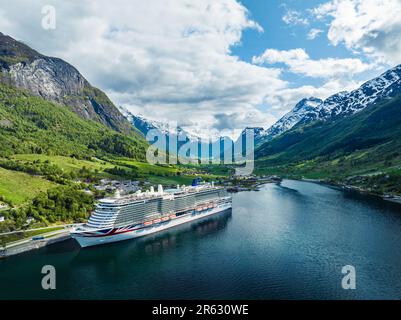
[(120, 218)]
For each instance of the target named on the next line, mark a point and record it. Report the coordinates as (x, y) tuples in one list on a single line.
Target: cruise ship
[(142, 213)]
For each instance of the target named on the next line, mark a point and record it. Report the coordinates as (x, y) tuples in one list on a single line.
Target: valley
[(61, 137), (358, 149), (64, 148)]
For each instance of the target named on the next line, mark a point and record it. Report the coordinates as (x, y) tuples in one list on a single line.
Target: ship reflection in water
[(154, 244), (287, 241), (169, 239)]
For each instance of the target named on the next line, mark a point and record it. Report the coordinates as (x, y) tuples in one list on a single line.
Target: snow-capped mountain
[(259, 134), (182, 136), (341, 104), (144, 125), (383, 87), (305, 110)]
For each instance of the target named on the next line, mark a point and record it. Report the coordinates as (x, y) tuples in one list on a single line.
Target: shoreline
[(252, 184), (387, 197), (28, 244)]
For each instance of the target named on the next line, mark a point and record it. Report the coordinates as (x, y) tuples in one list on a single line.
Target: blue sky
[(215, 66), (286, 36), (277, 34)]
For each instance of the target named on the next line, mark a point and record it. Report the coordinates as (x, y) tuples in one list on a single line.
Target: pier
[(35, 242)]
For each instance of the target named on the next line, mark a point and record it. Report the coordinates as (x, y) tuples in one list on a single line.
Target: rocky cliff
[(57, 81)]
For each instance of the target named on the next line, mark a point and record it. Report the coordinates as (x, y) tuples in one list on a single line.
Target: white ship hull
[(86, 240)]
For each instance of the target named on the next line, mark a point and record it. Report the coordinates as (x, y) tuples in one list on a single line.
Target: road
[(43, 228)]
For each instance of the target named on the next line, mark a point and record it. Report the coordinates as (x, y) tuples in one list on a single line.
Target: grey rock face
[(50, 78), (56, 80)]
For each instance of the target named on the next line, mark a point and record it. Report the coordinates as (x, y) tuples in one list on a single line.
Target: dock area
[(251, 183), (28, 244)]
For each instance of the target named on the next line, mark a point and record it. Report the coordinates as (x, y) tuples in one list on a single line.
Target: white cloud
[(299, 62), (314, 33), (168, 60), (4, 23), (288, 97), (372, 27), (337, 74), (323, 10), (294, 17), (171, 60)]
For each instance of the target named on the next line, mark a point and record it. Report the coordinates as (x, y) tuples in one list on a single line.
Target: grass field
[(71, 164), (66, 163), (169, 174), (19, 187), (147, 168), (357, 163)]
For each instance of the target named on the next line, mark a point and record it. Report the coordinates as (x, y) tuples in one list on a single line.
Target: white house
[(1, 218)]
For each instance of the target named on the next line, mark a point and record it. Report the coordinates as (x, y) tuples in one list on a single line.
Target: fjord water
[(286, 241)]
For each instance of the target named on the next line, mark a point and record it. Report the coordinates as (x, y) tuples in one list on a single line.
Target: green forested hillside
[(57, 81), (39, 185), (59, 136), (30, 124), (366, 144), (50, 159)]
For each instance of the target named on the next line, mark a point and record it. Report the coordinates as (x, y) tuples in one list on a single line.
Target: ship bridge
[(104, 216)]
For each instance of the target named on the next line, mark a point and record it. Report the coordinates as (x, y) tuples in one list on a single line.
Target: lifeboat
[(157, 220), (199, 209), (210, 206), (172, 216), (148, 223), (165, 218)]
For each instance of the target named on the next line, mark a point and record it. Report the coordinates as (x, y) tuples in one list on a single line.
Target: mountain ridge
[(57, 81), (341, 104), (364, 144), (31, 124), (214, 148)]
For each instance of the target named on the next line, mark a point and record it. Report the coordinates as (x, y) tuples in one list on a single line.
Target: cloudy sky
[(215, 65)]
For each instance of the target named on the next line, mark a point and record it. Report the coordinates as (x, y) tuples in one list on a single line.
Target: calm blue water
[(283, 242)]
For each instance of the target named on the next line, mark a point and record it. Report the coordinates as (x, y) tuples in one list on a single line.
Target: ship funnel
[(160, 189), (152, 190), (178, 187)]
